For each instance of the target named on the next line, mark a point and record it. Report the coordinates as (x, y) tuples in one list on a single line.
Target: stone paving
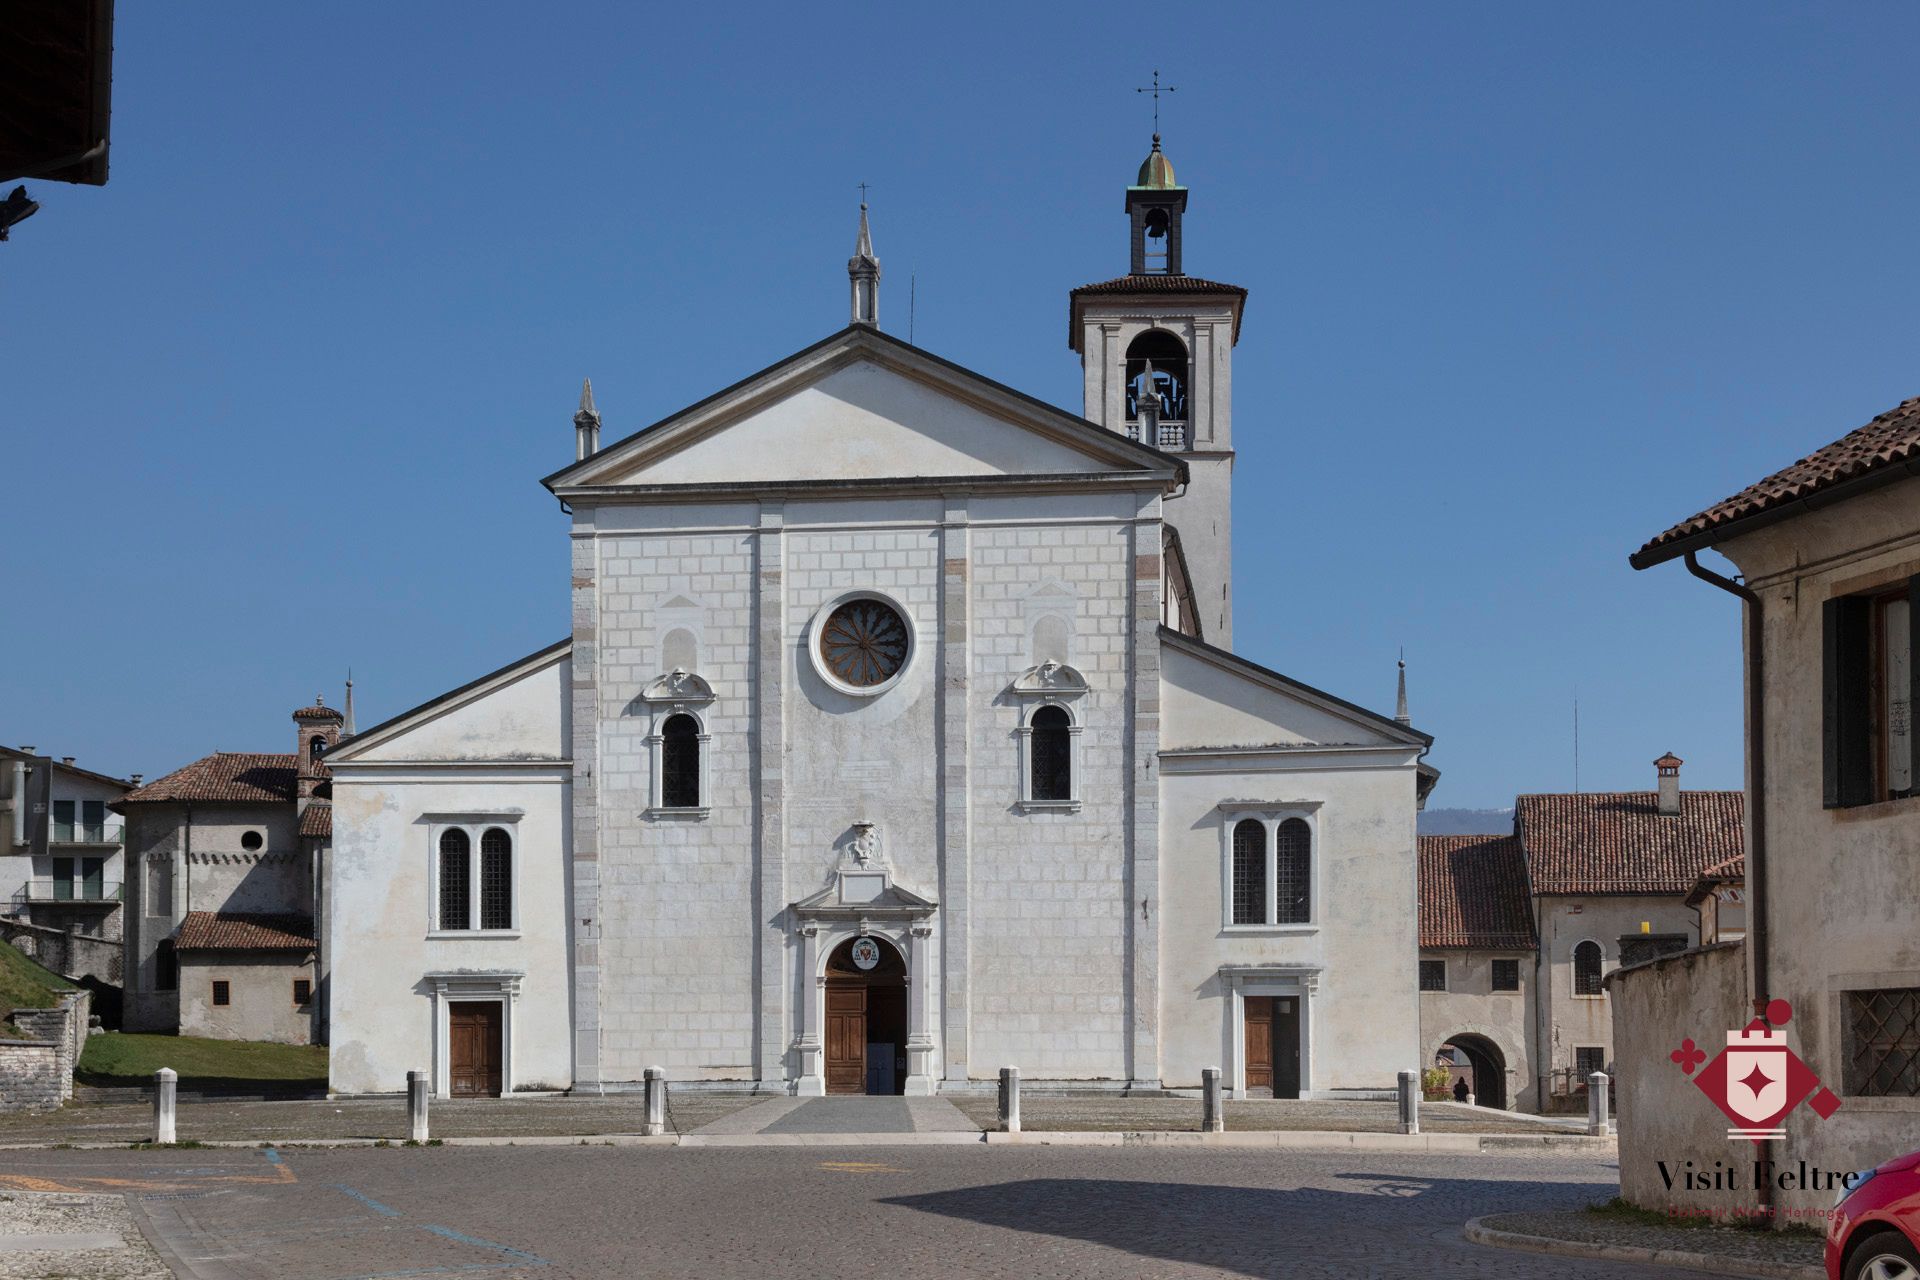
[(1070, 1113), (75, 1237), (972, 1210), (1734, 1243)]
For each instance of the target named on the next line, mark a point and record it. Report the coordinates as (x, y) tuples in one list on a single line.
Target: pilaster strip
[(1143, 916), (585, 860), (956, 843), (769, 789)]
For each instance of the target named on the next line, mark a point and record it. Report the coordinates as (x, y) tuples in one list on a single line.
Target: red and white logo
[(1757, 1080)]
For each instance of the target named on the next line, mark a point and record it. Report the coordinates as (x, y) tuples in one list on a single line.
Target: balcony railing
[(53, 889), (1172, 434), (84, 833)]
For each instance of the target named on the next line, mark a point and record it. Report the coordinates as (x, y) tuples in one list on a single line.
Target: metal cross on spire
[(863, 194), (1156, 89)]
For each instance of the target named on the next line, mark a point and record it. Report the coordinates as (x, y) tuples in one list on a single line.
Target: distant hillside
[(1466, 822)]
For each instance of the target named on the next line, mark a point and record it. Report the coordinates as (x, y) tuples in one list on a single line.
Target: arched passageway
[(1486, 1068)]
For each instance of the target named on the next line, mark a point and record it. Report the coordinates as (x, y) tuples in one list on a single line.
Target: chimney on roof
[(1668, 769), (66, 759), (135, 778)]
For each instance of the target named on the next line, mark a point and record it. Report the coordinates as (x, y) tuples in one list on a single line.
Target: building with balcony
[(61, 846)]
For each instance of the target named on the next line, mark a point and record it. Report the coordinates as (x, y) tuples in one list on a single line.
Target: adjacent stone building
[(1828, 552), (1478, 966), (228, 854), (897, 738)]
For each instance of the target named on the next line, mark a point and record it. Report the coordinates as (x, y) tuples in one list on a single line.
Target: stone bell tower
[(1156, 350)]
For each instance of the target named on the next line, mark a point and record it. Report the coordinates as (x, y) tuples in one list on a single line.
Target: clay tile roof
[(1733, 869), (1473, 893), (1889, 440), (317, 821), (1618, 842), (240, 777), (318, 712), (243, 931)]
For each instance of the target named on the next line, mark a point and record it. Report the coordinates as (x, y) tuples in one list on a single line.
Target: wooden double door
[(866, 1038), (1273, 1046), (474, 1046)]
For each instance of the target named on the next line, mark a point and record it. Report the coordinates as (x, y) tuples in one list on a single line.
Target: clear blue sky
[(1529, 284)]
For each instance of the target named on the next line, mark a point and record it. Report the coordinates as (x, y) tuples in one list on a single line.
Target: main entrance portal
[(1273, 1046), (866, 1018)]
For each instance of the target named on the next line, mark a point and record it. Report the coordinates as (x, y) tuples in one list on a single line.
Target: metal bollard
[(656, 1102), (1409, 1102), (1213, 1115), (1009, 1099), (1598, 1085), (417, 1105), (164, 1082)]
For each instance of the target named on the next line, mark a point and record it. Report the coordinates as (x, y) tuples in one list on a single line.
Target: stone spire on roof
[(1400, 715), (863, 271), (346, 730), (586, 424)]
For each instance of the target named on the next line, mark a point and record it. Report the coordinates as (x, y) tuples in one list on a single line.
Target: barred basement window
[(1883, 1043), (1249, 872), (1052, 754), (1433, 975), (302, 991), (455, 879), (680, 763), (1586, 969), (496, 880), (1506, 975), (222, 993), (1293, 872), (1588, 1059)]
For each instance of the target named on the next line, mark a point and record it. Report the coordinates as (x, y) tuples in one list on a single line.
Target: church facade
[(898, 737)]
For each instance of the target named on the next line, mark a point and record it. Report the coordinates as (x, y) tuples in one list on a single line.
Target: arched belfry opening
[(866, 1018), (1157, 367)]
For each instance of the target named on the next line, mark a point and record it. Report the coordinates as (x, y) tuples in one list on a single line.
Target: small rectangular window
[(222, 993), (1433, 975), (1588, 1059), (1883, 1043), (302, 991), (1506, 975)]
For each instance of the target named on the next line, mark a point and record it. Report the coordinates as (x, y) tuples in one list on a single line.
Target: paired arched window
[(1293, 872), (1250, 872), (464, 897), (680, 762), (1052, 754), (1586, 969), (456, 885)]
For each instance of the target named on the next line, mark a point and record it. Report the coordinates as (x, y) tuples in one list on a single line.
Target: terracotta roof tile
[(1733, 870), (318, 712), (317, 821), (1473, 893), (1618, 842), (1889, 440), (241, 777), (243, 931)]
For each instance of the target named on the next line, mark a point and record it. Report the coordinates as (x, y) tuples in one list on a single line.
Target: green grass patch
[(25, 984), (119, 1059)]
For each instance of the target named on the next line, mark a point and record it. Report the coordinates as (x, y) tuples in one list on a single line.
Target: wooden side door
[(473, 1049), (846, 1038), (1259, 1042), (1286, 1046)]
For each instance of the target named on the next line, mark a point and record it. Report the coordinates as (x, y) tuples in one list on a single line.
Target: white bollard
[(417, 1094), (1213, 1115), (1009, 1099), (1598, 1086), (164, 1082), (656, 1102), (1409, 1102)]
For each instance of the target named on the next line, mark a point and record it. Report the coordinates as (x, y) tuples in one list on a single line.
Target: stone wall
[(72, 955), (1692, 995), (55, 1038)]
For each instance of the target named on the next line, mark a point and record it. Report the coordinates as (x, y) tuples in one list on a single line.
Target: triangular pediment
[(860, 408)]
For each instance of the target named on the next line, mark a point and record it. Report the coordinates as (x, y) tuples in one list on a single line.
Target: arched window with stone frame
[(1052, 753), (1250, 872), (496, 879), (680, 762), (1588, 960), (456, 870), (1293, 872)]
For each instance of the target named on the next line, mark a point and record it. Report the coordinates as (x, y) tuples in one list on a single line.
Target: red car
[(1874, 1233)]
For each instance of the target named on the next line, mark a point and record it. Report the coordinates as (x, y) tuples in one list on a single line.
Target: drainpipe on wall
[(1757, 895)]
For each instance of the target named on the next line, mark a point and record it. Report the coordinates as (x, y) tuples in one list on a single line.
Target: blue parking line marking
[(273, 1156), (367, 1200), (521, 1254)]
